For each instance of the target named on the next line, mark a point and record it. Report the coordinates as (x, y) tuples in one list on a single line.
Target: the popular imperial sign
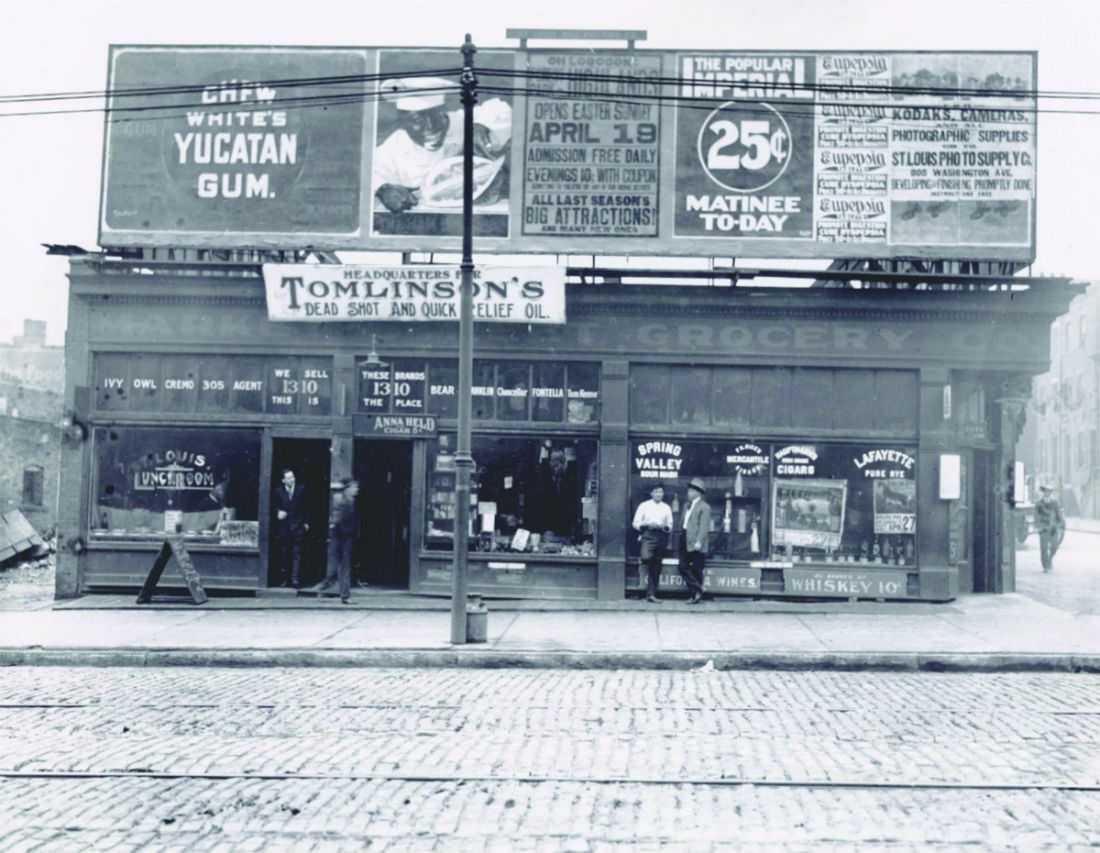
[(723, 152)]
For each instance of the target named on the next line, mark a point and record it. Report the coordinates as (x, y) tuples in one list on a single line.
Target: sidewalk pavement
[(1085, 525), (972, 633)]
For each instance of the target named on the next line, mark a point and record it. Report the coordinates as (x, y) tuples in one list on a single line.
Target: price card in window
[(408, 384), (375, 388), (315, 386), (895, 506)]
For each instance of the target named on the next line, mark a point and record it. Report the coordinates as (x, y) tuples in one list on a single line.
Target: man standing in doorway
[(290, 528), (653, 521), (695, 540), (1051, 524)]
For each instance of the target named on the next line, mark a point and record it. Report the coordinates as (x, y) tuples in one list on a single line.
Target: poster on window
[(808, 513), (895, 506)]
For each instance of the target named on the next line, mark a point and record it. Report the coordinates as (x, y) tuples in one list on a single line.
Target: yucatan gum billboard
[(742, 153)]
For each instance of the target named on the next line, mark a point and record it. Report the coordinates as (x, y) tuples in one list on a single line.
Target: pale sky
[(50, 165)]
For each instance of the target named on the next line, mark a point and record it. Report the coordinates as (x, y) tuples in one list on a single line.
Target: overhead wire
[(543, 74), (793, 104), (799, 108)]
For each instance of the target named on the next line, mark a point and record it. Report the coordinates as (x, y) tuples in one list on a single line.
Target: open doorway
[(985, 517), (384, 470), (310, 460)]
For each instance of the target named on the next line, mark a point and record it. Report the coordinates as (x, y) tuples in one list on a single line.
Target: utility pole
[(464, 461)]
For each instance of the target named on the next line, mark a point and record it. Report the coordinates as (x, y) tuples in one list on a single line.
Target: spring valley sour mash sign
[(743, 153), (336, 293)]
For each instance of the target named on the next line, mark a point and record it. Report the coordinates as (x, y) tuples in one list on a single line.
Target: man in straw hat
[(427, 134), (695, 539)]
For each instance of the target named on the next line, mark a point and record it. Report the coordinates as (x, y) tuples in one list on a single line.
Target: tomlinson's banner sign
[(724, 152), (323, 293)]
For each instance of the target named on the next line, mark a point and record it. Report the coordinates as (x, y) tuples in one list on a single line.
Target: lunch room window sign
[(202, 483), (294, 385)]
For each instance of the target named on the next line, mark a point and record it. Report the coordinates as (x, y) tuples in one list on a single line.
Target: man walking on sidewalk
[(695, 540), (1051, 524), (653, 521), (341, 536)]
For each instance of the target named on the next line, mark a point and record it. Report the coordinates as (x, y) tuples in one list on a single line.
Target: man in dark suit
[(290, 528), (695, 539)]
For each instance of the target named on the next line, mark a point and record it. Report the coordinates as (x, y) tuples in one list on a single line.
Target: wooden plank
[(173, 548)]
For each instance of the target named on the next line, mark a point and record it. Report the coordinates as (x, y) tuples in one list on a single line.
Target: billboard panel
[(233, 146), (416, 164), (591, 166), (742, 153), (744, 146)]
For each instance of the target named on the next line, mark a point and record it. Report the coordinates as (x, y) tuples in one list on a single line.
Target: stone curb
[(476, 658)]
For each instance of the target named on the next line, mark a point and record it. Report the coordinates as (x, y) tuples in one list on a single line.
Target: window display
[(844, 504), (736, 475), (787, 502), (526, 495), (152, 481)]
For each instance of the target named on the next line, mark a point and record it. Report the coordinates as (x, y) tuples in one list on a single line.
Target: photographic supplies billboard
[(741, 153)]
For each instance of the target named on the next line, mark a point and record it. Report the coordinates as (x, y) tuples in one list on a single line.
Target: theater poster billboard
[(745, 147), (233, 146), (743, 153)]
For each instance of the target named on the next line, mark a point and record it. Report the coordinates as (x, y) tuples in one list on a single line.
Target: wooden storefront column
[(614, 480), (1015, 391), (343, 404), (75, 463), (939, 574)]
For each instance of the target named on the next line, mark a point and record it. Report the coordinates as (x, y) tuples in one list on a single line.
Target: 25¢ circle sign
[(744, 147)]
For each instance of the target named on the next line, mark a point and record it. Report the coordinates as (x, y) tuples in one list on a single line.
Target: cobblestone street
[(534, 759)]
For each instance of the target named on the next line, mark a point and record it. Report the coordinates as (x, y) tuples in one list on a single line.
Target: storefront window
[(691, 395), (443, 389), (151, 481), (186, 383), (513, 391), (526, 495), (735, 473), (789, 502), (761, 398), (583, 393), (484, 391), (844, 504), (548, 393), (649, 393)]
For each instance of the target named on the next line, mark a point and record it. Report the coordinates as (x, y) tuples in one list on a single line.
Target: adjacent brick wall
[(26, 443)]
